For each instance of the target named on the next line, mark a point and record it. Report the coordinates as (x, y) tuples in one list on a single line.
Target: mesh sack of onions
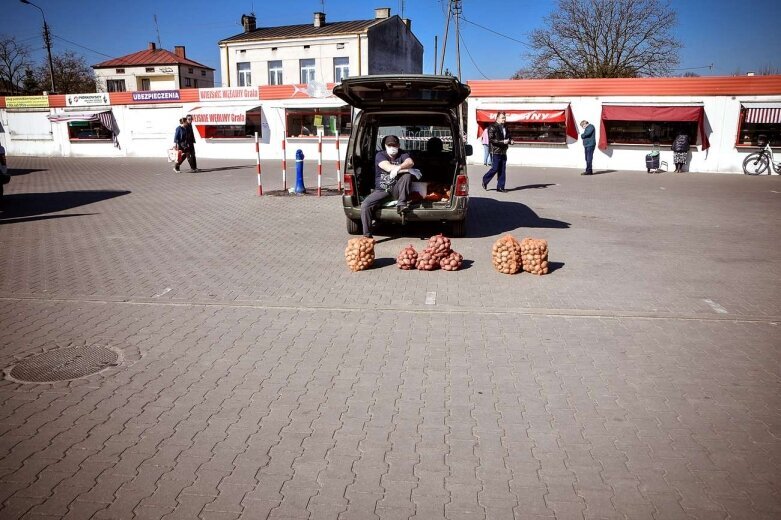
[(427, 260), (451, 262), (407, 259), (506, 255), (534, 253), (359, 253)]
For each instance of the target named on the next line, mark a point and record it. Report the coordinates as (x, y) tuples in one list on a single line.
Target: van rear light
[(462, 186), (349, 184)]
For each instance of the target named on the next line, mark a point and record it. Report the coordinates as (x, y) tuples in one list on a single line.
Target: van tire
[(353, 226), (458, 228)]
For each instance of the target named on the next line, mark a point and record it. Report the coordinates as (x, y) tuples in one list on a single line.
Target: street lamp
[(47, 39)]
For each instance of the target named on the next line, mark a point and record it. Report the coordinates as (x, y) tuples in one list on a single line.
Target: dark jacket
[(184, 137), (589, 139), (681, 143), (495, 138)]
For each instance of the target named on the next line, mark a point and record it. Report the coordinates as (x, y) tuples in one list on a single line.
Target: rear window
[(416, 132)]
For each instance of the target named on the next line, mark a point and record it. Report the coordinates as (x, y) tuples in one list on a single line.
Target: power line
[(497, 33), (83, 47), (470, 57)]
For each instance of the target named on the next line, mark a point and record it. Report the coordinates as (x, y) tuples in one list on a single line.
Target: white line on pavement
[(167, 289), (715, 306)]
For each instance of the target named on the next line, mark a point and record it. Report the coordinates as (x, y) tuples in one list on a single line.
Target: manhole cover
[(64, 364)]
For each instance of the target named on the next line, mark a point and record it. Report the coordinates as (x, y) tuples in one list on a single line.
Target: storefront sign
[(80, 100), (224, 94), (220, 116), (27, 102), (155, 96), (527, 116)]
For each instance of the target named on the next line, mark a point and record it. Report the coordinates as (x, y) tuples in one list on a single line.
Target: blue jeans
[(589, 158), (486, 153), (498, 165)]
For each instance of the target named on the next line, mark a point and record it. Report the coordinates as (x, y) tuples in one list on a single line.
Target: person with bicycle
[(680, 148)]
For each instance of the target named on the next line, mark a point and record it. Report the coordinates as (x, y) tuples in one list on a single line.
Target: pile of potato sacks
[(437, 255), (510, 256)]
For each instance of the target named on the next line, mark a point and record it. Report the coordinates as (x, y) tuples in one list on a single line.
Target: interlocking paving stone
[(261, 379)]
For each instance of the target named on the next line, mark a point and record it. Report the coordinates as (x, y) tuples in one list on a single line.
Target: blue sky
[(732, 35)]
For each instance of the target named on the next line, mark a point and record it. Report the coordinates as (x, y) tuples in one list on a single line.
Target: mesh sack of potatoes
[(407, 259), (506, 255), (359, 253), (534, 253), (452, 262), (427, 260), (439, 245)]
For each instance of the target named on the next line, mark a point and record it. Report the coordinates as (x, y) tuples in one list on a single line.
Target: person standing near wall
[(500, 140), (185, 141), (486, 147), (589, 143), (680, 148)]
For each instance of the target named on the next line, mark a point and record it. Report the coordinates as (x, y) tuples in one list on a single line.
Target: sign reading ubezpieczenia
[(81, 100), (228, 94), (155, 96)]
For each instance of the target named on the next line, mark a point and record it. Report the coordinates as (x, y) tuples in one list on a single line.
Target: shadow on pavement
[(19, 206), (223, 168), (530, 187), (490, 217), (15, 172)]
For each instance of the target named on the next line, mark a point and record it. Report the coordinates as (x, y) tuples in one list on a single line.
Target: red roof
[(702, 86), (149, 57)]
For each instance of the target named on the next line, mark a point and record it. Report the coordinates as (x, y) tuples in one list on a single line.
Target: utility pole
[(454, 11), (47, 39)]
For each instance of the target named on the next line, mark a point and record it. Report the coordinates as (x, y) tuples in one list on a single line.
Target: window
[(756, 121), (307, 70), (188, 82), (120, 71), (648, 132), (150, 69), (195, 83), (653, 124), (534, 132), (245, 76), (190, 70), (203, 72), (252, 124), (145, 84), (536, 124), (115, 85), (305, 122), (275, 73), (88, 130), (341, 69), (340, 46)]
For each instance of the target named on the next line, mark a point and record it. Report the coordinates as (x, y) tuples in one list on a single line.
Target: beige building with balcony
[(152, 69), (320, 52)]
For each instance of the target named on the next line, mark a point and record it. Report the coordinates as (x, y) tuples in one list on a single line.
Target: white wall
[(721, 124)]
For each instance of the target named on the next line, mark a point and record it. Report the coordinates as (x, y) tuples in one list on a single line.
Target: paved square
[(259, 378)]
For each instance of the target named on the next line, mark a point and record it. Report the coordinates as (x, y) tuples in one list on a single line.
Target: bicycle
[(758, 162)]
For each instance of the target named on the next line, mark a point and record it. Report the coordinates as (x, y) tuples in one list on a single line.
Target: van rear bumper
[(417, 213)]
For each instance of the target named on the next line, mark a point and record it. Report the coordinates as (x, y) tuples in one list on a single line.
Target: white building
[(152, 69), (320, 52)]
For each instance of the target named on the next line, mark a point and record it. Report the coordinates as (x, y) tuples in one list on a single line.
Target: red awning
[(653, 113), (763, 115), (562, 115)]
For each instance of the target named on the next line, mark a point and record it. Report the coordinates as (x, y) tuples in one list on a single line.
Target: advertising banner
[(220, 115), (27, 102), (228, 94), (156, 96), (82, 100)]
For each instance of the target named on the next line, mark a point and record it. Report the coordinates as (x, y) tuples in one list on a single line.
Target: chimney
[(179, 51), (319, 19), (248, 22), (407, 22), (152, 46), (381, 12)]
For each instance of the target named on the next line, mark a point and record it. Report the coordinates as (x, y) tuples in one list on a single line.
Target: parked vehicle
[(762, 161), (419, 110)]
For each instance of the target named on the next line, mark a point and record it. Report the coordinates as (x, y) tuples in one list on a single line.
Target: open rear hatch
[(402, 91)]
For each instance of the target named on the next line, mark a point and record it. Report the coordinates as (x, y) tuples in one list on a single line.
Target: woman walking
[(680, 149)]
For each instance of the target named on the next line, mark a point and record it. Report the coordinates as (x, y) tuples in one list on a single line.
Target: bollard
[(300, 172), (338, 166), (257, 152), (319, 161), (284, 164)]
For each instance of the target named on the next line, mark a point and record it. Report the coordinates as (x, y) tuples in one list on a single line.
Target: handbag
[(173, 155)]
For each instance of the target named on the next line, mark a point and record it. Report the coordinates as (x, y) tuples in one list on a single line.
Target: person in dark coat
[(499, 140), (185, 141), (680, 149), (589, 143)]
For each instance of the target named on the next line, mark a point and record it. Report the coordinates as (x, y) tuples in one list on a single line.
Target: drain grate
[(64, 364)]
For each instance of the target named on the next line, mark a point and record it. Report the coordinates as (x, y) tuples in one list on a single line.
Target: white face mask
[(392, 150)]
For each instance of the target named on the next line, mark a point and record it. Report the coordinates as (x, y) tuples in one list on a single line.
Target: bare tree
[(14, 60), (72, 75), (604, 39)]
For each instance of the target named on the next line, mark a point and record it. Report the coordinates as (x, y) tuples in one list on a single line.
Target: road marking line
[(715, 306), (431, 298), (167, 290)]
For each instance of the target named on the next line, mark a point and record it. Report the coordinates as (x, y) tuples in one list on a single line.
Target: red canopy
[(653, 113), (561, 115)]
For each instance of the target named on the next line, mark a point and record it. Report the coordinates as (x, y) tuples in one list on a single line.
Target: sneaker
[(177, 170), (194, 170), (501, 190)]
